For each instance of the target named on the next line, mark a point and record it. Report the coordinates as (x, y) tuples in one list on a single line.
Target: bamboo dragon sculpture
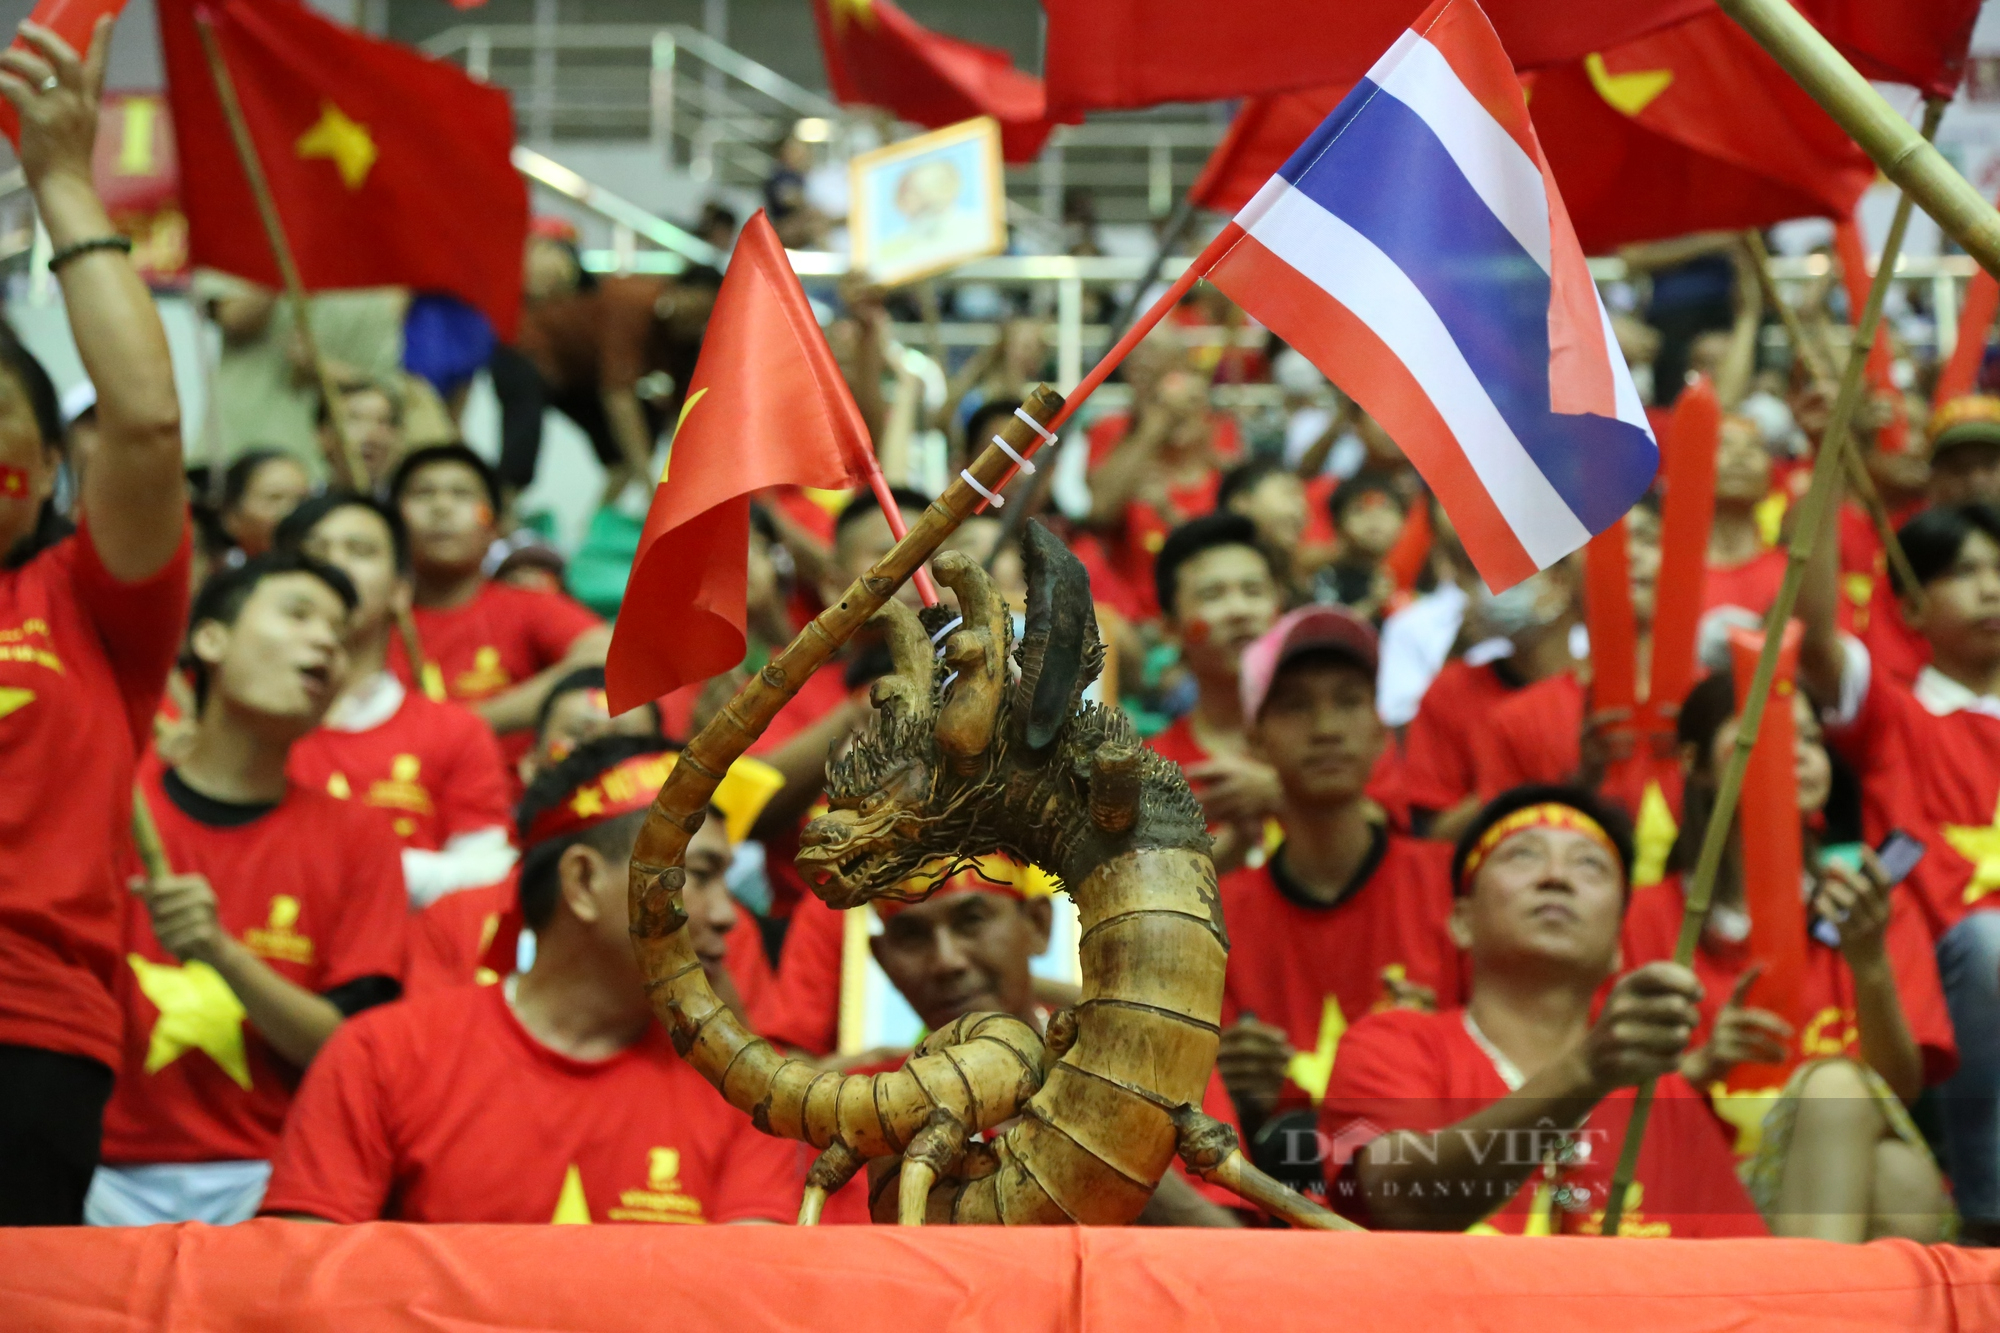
[(957, 766)]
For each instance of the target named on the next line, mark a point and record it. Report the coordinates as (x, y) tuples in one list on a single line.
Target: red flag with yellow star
[(388, 168), (876, 55), (766, 406)]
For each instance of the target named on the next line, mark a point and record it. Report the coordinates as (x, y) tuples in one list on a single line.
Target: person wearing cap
[(968, 948), (497, 648), (1928, 756), (1347, 915), (556, 1097), (1507, 1115), (431, 770), (1965, 451)]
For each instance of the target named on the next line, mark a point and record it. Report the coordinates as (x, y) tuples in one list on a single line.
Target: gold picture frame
[(928, 204)]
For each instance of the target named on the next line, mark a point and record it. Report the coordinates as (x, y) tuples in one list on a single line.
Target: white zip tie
[(937, 639), (973, 482), (1019, 461), (1048, 436)]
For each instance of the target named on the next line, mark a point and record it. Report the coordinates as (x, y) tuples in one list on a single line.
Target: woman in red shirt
[(89, 623)]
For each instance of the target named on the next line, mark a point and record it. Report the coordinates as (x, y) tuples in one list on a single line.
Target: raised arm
[(134, 499)]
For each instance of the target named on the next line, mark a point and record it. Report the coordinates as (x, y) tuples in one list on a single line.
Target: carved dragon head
[(932, 776)]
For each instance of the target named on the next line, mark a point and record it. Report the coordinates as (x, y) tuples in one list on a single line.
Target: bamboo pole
[(1904, 155), (146, 837), (1813, 512), (1824, 378), (345, 460)]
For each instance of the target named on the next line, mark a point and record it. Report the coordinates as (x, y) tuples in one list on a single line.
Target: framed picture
[(928, 204)]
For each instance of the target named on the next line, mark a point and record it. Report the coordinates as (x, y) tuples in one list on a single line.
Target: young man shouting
[(283, 916)]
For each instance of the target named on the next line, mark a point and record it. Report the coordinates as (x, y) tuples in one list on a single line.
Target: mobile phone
[(1898, 854)]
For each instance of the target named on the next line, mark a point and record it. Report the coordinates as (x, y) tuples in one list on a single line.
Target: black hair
[(1608, 817), (323, 413), (1934, 538), (1192, 538), (1705, 711), (583, 678), (223, 597), (20, 363), (864, 503), (296, 526), (977, 432), (539, 884), (418, 459), (1247, 477), (1346, 494), (236, 478)]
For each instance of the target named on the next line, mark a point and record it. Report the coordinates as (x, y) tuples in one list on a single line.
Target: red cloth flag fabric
[(1894, 435), (1975, 320), (1922, 44), (1694, 128), (1688, 468), (766, 406), (1264, 133), (876, 55), (388, 168), (1131, 53), (71, 20)]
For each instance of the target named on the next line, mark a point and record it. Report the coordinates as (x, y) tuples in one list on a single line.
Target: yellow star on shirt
[(13, 700), (572, 1208), (1981, 846), (198, 1012), (343, 141), (1311, 1069)]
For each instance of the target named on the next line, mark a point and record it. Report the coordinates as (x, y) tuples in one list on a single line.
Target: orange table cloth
[(302, 1278)]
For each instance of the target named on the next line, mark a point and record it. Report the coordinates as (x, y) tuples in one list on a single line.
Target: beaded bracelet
[(77, 249)]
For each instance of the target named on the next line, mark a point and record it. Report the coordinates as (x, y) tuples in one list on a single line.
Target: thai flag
[(1415, 249)]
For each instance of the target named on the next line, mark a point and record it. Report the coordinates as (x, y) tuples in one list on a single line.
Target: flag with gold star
[(1691, 129), (876, 55), (388, 168), (766, 406)]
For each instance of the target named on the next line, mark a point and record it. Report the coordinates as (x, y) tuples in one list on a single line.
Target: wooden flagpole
[(1824, 378), (1813, 512), (348, 467), (1905, 156)]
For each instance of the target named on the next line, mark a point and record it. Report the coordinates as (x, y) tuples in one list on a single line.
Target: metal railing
[(700, 103)]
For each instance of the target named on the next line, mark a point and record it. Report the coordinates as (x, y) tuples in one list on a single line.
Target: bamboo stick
[(1805, 536), (1824, 378), (345, 460), (1904, 155), (146, 836)]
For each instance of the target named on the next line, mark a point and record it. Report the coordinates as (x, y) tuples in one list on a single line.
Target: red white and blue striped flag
[(1415, 249)]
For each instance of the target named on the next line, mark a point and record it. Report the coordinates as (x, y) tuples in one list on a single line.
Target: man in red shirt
[(282, 915), (968, 948), (1929, 762), (1507, 1114), (1742, 569), (497, 647), (431, 770), (556, 1097), (1347, 916)]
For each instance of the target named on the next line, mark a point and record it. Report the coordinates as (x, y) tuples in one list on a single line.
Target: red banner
[(384, 1278), (137, 173)]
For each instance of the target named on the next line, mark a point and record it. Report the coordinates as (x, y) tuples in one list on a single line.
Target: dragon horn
[(905, 692), (1060, 651), (978, 653)]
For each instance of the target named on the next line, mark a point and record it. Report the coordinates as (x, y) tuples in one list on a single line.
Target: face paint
[(485, 515), (1197, 633), (13, 482)]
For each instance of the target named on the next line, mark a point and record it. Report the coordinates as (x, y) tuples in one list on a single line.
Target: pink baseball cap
[(1308, 629)]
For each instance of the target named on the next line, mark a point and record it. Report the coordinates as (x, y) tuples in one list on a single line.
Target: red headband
[(1549, 814), (618, 790)]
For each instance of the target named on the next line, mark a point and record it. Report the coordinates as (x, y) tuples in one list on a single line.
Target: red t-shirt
[(433, 770), (500, 638), (1144, 527), (1752, 584), (313, 887), (801, 1006), (1938, 777), (1406, 1070), (1437, 746), (465, 938), (1869, 609), (83, 659), (1386, 782), (445, 1109), (822, 692), (1652, 930), (1313, 970), (1536, 736)]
